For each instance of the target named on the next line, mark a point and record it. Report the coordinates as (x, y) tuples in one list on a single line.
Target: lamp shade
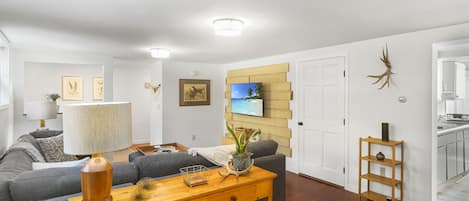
[(37, 110), (92, 128)]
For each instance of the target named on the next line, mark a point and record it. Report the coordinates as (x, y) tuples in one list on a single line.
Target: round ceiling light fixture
[(160, 53), (228, 27)]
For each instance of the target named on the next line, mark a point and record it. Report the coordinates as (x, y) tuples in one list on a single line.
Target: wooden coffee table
[(151, 149), (256, 185)]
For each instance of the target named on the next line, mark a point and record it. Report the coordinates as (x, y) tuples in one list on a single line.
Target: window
[(4, 77)]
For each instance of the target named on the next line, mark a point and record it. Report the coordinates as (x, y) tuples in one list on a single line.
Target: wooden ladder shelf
[(370, 177)]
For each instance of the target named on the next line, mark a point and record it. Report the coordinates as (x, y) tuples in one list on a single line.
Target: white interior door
[(322, 115)]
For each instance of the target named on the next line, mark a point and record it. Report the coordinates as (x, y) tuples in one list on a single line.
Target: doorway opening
[(450, 121)]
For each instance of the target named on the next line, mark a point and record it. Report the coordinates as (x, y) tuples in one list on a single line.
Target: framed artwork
[(72, 88), (98, 88), (194, 92)]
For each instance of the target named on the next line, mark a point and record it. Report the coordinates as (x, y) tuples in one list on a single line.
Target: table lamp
[(96, 128), (40, 110)]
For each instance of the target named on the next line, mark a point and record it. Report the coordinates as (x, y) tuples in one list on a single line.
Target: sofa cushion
[(13, 164), (53, 149), (54, 182), (262, 148), (164, 164)]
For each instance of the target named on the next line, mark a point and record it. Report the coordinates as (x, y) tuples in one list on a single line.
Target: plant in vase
[(241, 158), (53, 98)]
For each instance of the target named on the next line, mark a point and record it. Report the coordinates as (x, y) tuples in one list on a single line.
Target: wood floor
[(304, 189)]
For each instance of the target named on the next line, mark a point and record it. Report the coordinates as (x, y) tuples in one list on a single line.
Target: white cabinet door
[(453, 80), (466, 150), (460, 81), (460, 157), (441, 164), (452, 160)]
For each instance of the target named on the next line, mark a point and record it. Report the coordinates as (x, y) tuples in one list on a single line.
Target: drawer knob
[(233, 198)]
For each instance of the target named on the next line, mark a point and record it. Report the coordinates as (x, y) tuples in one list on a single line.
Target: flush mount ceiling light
[(160, 53), (228, 27)]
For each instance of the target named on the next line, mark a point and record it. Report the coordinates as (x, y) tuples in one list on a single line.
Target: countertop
[(449, 127)]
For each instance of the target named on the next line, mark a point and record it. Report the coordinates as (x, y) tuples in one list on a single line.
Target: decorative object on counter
[(194, 92), (380, 156), (155, 87), (385, 131), (194, 175), (72, 88), (242, 159), (98, 88), (387, 73), (41, 110), (145, 189)]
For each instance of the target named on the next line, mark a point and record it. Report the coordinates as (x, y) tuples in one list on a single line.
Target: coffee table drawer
[(246, 193)]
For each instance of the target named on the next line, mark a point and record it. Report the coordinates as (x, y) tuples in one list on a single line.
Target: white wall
[(128, 85), (5, 108), (19, 57), (411, 57), (50, 81), (205, 122)]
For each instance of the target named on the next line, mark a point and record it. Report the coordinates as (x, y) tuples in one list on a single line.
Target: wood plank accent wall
[(277, 96)]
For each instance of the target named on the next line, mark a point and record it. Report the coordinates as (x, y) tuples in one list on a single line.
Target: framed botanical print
[(72, 88), (194, 92), (98, 88)]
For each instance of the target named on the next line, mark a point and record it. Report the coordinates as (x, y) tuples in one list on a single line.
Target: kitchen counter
[(446, 128)]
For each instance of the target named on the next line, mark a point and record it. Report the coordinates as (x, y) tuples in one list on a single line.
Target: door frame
[(434, 139), (346, 161)]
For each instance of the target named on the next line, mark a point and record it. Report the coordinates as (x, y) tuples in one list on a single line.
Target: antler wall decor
[(155, 87), (387, 73)]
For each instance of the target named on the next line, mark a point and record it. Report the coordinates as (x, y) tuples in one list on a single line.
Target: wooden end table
[(257, 185)]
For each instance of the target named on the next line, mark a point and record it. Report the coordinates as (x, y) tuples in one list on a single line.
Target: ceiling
[(128, 28)]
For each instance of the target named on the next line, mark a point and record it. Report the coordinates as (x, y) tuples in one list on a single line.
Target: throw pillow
[(39, 166), (53, 149)]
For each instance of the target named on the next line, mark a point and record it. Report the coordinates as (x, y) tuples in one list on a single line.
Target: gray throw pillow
[(53, 149)]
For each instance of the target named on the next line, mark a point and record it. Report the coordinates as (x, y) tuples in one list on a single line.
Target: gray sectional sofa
[(18, 182)]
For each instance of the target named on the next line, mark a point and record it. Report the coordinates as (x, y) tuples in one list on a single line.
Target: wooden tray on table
[(162, 148)]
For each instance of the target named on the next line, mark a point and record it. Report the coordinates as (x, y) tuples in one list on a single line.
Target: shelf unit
[(370, 177)]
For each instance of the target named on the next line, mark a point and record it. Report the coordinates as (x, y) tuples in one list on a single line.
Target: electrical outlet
[(382, 171), (194, 137)]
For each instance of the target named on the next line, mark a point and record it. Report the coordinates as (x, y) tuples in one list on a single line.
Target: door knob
[(300, 123)]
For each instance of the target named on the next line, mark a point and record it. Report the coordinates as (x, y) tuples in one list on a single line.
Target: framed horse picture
[(194, 92)]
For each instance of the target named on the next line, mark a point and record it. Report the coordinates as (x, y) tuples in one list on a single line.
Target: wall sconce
[(155, 87)]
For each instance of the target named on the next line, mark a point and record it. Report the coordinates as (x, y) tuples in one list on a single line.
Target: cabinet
[(394, 181), (441, 164), (453, 155), (256, 186), (453, 80)]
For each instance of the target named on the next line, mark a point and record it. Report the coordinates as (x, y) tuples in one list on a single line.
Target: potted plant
[(241, 158), (53, 97)]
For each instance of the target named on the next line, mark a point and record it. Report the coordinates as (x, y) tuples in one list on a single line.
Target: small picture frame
[(98, 88), (72, 88), (194, 92)]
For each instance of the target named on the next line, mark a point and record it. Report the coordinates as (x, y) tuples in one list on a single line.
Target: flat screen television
[(247, 99)]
